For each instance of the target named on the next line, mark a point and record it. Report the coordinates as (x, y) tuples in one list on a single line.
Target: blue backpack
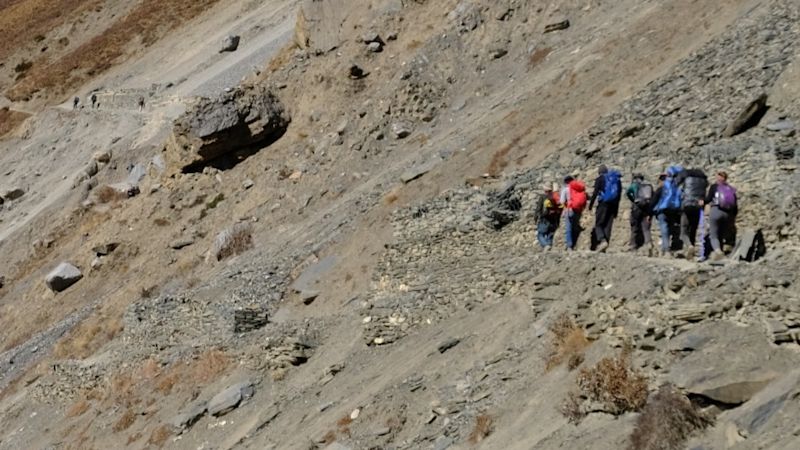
[(611, 191), (670, 197)]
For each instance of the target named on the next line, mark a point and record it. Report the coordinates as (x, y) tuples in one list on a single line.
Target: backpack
[(694, 188), (674, 170), (611, 190), (552, 205), (726, 197), (644, 195), (577, 196), (670, 197)]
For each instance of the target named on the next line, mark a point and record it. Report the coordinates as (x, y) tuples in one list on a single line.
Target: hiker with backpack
[(607, 193), (667, 209), (640, 194), (573, 200), (548, 215), (693, 184), (722, 207)]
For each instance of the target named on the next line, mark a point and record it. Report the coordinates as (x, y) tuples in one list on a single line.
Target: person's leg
[(647, 238), (674, 218), (576, 229), (663, 228), (541, 233), (568, 230), (716, 226), (550, 234), (636, 227), (601, 223), (686, 241)]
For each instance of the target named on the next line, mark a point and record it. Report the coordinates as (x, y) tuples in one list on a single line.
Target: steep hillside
[(339, 253)]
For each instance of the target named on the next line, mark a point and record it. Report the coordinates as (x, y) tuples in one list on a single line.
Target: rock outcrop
[(235, 121)]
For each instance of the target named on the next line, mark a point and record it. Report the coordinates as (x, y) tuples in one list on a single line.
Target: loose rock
[(62, 277)]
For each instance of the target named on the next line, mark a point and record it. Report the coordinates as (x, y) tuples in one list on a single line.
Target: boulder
[(62, 277), (12, 194), (188, 417), (230, 43), (236, 120), (748, 118), (402, 129), (230, 398)]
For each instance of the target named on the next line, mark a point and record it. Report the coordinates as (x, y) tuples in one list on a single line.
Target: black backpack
[(694, 186), (644, 195)]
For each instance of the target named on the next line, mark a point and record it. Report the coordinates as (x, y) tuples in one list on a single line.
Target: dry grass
[(233, 241), (88, 337), (107, 194), (198, 372), (484, 425), (78, 408), (282, 58), (148, 22), (10, 120), (567, 344), (612, 384), (159, 436), (667, 421), (128, 418), (538, 56)]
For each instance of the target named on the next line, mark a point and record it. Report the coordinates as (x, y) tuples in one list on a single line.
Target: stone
[(12, 194), (248, 183), (355, 72), (249, 319), (62, 277), (556, 26), (448, 344), (419, 170), (230, 398), (181, 243), (402, 129), (188, 417), (102, 157), (126, 189), (308, 296), (375, 47), (230, 43), (370, 37), (748, 118), (319, 24), (498, 53), (212, 128), (781, 125), (91, 168), (105, 249), (750, 246)]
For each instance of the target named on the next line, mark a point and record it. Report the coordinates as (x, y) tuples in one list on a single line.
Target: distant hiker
[(693, 184), (141, 103), (641, 195), (667, 208), (722, 208), (607, 193), (547, 214), (573, 198), (75, 102), (93, 99)]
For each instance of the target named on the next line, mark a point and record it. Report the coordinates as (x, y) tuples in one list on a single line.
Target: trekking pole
[(702, 242)]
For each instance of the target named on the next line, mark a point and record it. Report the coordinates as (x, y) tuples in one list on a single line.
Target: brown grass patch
[(609, 93), (198, 372), (159, 436), (88, 337), (538, 56), (613, 384), (329, 437), (161, 222), (10, 120), (567, 344), (233, 241), (282, 58), (667, 421), (128, 418), (484, 425), (78, 408), (148, 22), (107, 194), (413, 45)]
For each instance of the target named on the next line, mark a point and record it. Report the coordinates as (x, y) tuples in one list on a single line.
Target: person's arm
[(538, 212), (656, 198), (630, 192)]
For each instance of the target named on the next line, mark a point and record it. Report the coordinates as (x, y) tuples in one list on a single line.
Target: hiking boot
[(602, 247), (717, 255)]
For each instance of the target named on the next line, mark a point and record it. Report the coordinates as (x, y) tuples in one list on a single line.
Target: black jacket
[(599, 186)]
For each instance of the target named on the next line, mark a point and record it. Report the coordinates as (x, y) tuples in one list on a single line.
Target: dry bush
[(107, 194), (87, 338), (484, 425), (329, 437), (233, 241), (122, 389), (611, 386), (567, 343), (160, 222), (167, 382), (667, 421), (209, 366), (78, 408), (282, 57), (10, 120), (159, 436), (124, 422), (538, 56)]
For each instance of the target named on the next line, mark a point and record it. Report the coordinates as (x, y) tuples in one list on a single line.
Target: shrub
[(159, 436), (78, 408), (611, 386), (667, 421), (484, 425), (125, 422), (233, 241), (567, 344)]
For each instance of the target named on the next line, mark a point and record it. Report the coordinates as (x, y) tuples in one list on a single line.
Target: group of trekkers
[(682, 202)]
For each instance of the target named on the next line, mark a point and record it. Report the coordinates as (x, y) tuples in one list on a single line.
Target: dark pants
[(604, 221), (545, 231), (572, 228), (640, 228), (690, 219), (669, 225), (721, 229)]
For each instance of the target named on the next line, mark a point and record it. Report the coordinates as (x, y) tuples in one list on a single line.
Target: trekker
[(93, 99), (607, 193), (75, 102), (722, 201), (693, 184), (140, 102), (547, 214), (574, 200), (640, 194), (667, 208)]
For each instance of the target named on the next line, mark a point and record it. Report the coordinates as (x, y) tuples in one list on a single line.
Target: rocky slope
[(384, 289)]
